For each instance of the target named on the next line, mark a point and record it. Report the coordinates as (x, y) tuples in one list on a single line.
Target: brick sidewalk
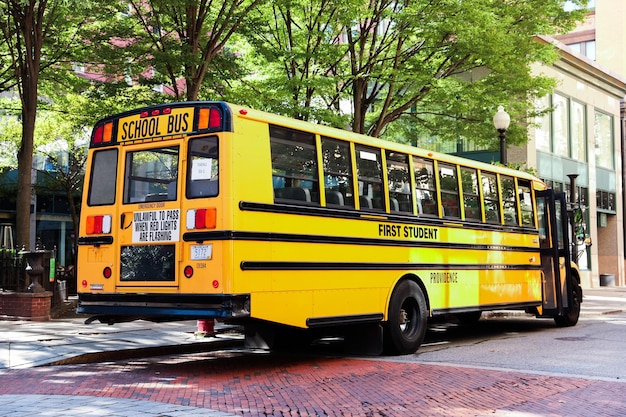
[(271, 385)]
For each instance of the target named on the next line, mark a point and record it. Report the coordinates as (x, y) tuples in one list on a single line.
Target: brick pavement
[(277, 385)]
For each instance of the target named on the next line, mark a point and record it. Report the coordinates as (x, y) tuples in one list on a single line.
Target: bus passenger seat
[(334, 197), (366, 202), (393, 203)]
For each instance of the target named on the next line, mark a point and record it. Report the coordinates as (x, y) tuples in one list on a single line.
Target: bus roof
[(239, 111)]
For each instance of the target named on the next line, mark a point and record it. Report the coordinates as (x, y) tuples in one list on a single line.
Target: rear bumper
[(164, 306)]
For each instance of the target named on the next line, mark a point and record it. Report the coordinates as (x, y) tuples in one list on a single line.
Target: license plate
[(201, 252)]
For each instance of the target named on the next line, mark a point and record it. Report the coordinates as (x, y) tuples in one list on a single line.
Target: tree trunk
[(28, 19), (24, 170)]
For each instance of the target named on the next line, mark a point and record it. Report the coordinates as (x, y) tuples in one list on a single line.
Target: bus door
[(555, 251), (150, 219)]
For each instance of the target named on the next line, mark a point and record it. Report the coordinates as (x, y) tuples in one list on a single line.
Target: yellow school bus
[(205, 210)]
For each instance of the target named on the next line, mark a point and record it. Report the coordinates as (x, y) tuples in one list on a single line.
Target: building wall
[(587, 83), (610, 28)]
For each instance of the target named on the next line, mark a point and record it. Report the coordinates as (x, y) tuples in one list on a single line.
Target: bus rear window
[(151, 175), (103, 178), (203, 168)]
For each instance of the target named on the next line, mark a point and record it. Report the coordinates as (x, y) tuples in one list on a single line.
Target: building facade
[(580, 139), (601, 40)]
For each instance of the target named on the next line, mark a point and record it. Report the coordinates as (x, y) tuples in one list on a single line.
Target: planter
[(25, 305)]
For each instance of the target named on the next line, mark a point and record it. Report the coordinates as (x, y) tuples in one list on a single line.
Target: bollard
[(206, 327)]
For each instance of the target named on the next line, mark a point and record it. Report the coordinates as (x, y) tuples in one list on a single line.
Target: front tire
[(407, 319)]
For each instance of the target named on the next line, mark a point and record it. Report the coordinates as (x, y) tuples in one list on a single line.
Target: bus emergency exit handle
[(122, 219)]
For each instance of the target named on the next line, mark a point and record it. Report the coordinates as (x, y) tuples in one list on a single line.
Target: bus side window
[(509, 200), (490, 196), (337, 172), (526, 203), (294, 165), (425, 189), (449, 190), (471, 196), (370, 175), (399, 182)]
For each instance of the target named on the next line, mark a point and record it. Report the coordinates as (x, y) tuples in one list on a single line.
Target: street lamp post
[(501, 121)]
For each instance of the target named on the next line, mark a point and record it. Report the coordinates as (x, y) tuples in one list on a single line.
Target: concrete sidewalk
[(25, 344)]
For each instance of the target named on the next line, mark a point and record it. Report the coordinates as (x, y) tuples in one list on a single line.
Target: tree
[(38, 38), (439, 68), (180, 44), (297, 60)]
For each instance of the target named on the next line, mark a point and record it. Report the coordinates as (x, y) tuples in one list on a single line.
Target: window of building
[(543, 129), (578, 132), (605, 201), (563, 130), (560, 125), (587, 49), (603, 132)]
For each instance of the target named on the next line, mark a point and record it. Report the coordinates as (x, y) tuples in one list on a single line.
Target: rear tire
[(407, 319)]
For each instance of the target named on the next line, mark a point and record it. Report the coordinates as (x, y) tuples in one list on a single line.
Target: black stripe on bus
[(487, 307), (343, 240), (374, 266), (314, 210), (343, 320)]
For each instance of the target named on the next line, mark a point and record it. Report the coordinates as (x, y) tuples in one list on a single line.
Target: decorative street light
[(501, 121)]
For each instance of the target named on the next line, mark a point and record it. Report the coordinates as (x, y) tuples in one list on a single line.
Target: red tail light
[(97, 225), (204, 218)]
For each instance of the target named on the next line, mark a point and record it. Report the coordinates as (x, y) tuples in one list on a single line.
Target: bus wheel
[(407, 319), (571, 314)]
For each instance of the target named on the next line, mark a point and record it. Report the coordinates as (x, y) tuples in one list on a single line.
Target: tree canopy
[(404, 69)]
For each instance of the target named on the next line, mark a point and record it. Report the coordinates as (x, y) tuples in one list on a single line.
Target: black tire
[(572, 313), (407, 319)]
